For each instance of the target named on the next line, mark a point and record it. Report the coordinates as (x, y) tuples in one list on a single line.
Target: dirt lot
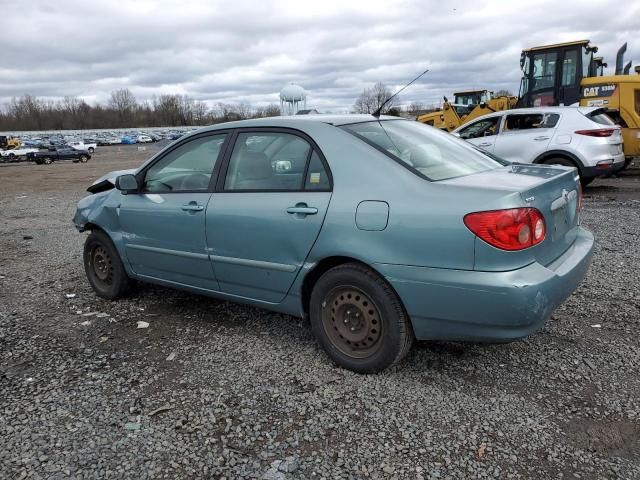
[(250, 394)]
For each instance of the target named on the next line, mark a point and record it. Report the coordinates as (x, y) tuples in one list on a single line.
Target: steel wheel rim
[(102, 265), (352, 322)]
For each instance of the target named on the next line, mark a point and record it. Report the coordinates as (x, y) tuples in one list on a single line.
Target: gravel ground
[(216, 390)]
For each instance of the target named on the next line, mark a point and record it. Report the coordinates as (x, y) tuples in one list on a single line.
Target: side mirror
[(127, 183)]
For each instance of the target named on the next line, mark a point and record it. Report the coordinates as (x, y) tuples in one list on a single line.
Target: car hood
[(108, 180)]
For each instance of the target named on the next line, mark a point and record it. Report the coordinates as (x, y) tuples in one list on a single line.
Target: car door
[(525, 136), (267, 212), (163, 226), (482, 133), (65, 153)]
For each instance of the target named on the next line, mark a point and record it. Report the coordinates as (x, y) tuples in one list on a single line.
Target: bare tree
[(123, 102), (372, 98), (503, 93), (414, 108)]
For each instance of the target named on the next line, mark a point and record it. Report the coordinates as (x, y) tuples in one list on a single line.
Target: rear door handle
[(302, 209), (192, 207), (541, 138), (485, 144)]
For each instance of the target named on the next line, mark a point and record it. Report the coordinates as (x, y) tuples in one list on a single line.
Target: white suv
[(581, 137)]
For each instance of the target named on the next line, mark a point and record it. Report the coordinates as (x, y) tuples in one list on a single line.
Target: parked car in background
[(61, 152), (127, 140), (379, 231), (89, 147), (144, 139), (581, 137), (16, 154)]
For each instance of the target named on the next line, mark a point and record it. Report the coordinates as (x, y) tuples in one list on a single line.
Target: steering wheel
[(195, 181)]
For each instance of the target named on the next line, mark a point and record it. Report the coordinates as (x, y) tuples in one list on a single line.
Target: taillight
[(597, 132), (511, 229)]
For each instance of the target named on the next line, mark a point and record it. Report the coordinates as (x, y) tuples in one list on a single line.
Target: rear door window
[(530, 121), (275, 161)]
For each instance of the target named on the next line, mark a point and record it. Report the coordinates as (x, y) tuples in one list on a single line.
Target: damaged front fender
[(100, 209)]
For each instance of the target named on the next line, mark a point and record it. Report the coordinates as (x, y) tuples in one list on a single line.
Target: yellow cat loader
[(568, 73), (466, 106), (9, 143)]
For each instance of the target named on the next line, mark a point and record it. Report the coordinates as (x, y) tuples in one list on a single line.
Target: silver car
[(581, 137)]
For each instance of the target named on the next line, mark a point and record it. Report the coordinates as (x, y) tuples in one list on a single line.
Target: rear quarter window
[(600, 117)]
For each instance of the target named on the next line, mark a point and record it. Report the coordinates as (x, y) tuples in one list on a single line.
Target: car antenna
[(377, 112)]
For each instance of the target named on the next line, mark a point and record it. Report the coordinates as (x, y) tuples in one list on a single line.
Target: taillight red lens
[(598, 132), (512, 229)]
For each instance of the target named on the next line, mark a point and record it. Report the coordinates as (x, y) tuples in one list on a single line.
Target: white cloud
[(245, 51)]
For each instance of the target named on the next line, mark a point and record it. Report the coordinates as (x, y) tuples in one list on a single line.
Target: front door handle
[(541, 138), (302, 209), (485, 144), (192, 207)]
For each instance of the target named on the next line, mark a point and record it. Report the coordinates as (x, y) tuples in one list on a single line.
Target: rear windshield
[(426, 151), (600, 116)]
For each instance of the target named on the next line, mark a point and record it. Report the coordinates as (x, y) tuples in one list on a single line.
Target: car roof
[(531, 110), (292, 120)]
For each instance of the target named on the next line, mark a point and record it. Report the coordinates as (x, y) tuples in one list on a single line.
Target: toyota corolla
[(379, 230)]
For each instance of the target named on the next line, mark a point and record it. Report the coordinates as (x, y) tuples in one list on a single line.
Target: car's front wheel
[(104, 268), (359, 319), (83, 158), (47, 161)]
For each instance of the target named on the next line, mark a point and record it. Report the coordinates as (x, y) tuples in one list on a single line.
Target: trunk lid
[(553, 190)]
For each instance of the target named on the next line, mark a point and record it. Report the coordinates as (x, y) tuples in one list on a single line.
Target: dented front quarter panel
[(101, 210)]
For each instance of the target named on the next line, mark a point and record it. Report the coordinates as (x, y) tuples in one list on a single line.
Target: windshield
[(428, 152), (471, 98)]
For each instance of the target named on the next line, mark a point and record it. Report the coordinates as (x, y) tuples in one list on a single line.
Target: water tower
[(292, 98)]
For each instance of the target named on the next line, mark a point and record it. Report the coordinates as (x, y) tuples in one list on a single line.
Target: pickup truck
[(89, 147), (62, 152), (15, 155)]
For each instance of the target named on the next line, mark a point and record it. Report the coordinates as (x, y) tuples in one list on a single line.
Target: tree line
[(122, 110)]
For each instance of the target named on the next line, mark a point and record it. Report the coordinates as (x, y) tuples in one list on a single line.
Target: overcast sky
[(246, 51)]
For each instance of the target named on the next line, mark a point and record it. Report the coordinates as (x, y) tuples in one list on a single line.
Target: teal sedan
[(380, 231)]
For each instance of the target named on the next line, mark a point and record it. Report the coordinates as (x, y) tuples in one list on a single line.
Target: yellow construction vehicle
[(568, 73), (466, 106), (9, 143), (560, 74)]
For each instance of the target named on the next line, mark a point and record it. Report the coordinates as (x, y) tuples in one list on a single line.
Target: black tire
[(104, 268), (91, 150), (586, 181), (378, 338), (83, 158), (569, 163), (47, 160)]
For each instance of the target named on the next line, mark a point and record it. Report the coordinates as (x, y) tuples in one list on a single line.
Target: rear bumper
[(488, 306), (616, 165)]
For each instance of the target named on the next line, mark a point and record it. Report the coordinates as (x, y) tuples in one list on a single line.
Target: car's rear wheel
[(47, 161), (83, 158), (568, 163), (91, 150), (359, 320), (104, 268)]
